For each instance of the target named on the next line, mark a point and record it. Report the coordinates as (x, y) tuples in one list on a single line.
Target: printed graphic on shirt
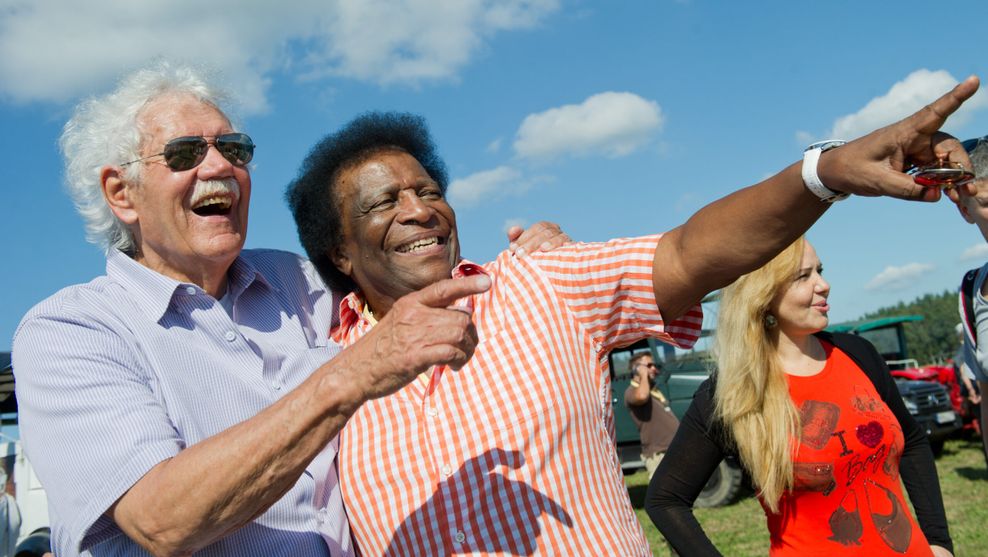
[(870, 434), (865, 403), (845, 522), (814, 476), (819, 420), (863, 458), (893, 525)]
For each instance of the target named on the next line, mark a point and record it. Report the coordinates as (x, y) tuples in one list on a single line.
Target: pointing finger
[(931, 117), (442, 294)]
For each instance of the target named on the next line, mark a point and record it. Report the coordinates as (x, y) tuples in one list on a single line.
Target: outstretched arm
[(741, 232)]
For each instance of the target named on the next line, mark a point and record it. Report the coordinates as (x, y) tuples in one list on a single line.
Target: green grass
[(739, 530)]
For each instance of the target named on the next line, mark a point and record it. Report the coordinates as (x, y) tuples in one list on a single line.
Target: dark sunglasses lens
[(970, 145), (236, 148), (184, 153)]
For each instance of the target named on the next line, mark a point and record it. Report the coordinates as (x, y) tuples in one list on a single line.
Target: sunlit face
[(801, 308), (188, 221), (399, 234), (647, 363), (974, 208)]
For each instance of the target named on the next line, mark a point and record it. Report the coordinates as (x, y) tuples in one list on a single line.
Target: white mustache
[(226, 187)]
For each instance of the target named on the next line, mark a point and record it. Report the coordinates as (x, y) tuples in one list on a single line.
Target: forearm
[(637, 396), (919, 475), (214, 487), (730, 237), (916, 465), (690, 460)]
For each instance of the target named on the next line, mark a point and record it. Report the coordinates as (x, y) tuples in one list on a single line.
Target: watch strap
[(811, 158)]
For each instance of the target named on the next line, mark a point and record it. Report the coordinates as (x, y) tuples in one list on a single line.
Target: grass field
[(739, 530)]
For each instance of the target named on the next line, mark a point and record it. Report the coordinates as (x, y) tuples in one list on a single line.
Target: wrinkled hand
[(421, 330), (541, 236), (876, 163)]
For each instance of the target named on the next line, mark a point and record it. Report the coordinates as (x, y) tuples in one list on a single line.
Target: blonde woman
[(815, 419)]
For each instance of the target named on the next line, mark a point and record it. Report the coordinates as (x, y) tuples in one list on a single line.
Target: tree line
[(932, 340)]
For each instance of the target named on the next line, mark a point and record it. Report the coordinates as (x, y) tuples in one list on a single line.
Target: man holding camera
[(649, 410)]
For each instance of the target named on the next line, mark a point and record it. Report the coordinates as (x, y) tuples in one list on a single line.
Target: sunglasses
[(186, 153), (970, 145), (650, 365)]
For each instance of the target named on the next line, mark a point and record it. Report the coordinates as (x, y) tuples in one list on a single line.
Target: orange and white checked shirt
[(514, 453)]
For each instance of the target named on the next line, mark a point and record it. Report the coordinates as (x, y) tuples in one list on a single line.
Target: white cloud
[(57, 50), (613, 124), (905, 97), (804, 138), (894, 278), (519, 222), (977, 252), (687, 203), (494, 146), (490, 184)]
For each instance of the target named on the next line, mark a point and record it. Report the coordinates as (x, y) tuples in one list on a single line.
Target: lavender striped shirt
[(116, 375)]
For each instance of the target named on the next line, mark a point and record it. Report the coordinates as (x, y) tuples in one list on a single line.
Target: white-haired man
[(188, 401)]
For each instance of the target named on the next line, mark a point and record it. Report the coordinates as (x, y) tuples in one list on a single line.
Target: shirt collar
[(353, 309), (156, 290)]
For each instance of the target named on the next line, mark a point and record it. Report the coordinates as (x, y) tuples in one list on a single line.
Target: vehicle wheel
[(35, 545), (723, 486), (936, 446)]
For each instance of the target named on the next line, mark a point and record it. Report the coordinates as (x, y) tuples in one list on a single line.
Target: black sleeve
[(691, 459), (917, 466)]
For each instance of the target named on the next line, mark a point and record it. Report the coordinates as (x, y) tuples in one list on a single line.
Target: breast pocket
[(512, 387)]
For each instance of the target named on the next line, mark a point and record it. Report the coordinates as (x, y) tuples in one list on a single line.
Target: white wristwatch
[(811, 156)]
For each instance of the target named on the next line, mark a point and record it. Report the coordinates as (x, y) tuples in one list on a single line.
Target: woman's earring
[(770, 321)]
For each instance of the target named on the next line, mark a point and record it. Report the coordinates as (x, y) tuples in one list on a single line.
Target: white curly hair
[(106, 130)]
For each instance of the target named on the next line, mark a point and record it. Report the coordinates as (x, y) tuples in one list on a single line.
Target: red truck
[(931, 392)]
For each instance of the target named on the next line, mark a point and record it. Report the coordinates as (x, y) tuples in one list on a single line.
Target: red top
[(847, 498)]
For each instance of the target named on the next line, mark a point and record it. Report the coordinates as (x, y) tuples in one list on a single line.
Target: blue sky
[(610, 118)]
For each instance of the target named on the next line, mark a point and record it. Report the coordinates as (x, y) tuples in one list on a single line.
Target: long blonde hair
[(752, 395)]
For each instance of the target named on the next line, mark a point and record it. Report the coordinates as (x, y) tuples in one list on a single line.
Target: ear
[(342, 261), (118, 194), (965, 212)]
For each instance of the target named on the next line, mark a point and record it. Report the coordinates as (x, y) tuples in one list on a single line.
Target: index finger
[(931, 117), (442, 294)]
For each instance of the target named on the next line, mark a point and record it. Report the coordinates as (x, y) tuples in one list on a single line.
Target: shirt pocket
[(511, 387)]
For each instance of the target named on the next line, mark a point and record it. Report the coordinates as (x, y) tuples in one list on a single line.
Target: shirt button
[(230, 336), (276, 385), (432, 412), (446, 470), (190, 290), (322, 515), (460, 537)]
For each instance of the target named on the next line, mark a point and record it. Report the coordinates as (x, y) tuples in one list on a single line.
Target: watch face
[(825, 145)]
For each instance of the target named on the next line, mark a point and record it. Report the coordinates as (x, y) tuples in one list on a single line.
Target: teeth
[(222, 202), (418, 244), (215, 192)]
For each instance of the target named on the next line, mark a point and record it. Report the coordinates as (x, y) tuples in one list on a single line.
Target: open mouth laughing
[(214, 197)]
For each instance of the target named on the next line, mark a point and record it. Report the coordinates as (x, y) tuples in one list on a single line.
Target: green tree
[(932, 340)]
